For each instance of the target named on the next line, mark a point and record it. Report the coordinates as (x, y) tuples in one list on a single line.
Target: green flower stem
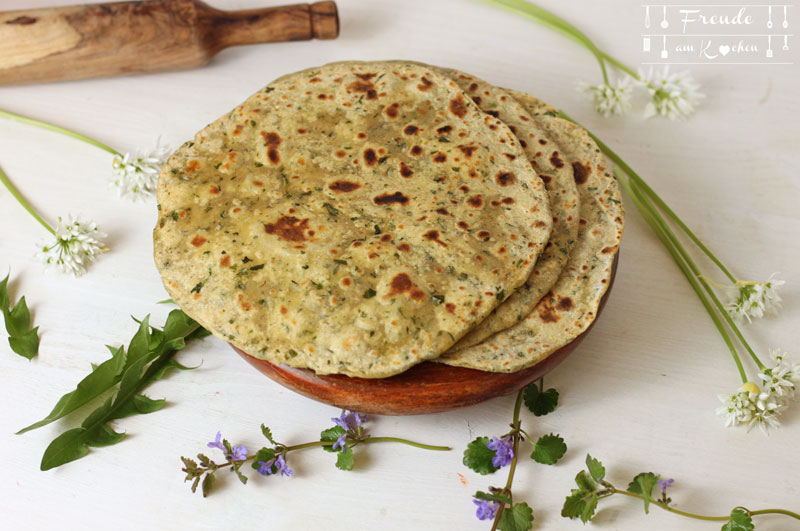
[(22, 201), (648, 216), (679, 247), (656, 199), (553, 22), (515, 425), (707, 518), (57, 129), (407, 442)]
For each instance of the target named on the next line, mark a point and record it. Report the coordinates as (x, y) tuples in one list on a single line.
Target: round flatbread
[(570, 307), (357, 218), (551, 164)]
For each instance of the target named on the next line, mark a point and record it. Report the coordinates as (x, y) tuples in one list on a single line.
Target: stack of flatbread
[(363, 217)]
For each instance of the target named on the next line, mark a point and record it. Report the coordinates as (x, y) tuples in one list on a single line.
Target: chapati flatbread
[(571, 306), (357, 219)]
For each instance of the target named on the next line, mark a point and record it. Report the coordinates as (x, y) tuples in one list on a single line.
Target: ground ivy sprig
[(751, 405), (486, 456), (76, 242), (672, 95), (22, 339), (348, 433), (133, 176), (593, 487)]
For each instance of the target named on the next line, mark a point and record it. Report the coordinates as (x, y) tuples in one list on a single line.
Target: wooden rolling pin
[(76, 42)]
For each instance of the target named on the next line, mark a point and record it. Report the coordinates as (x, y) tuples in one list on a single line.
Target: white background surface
[(639, 393)]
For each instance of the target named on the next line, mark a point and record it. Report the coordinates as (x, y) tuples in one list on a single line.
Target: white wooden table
[(639, 393)]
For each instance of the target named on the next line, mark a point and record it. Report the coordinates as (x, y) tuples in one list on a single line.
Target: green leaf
[(740, 521), (139, 405), (518, 517), (596, 468), (66, 447), (265, 454), (96, 383), (172, 364), (643, 484), (478, 457), (21, 338), (345, 459), (580, 504), (549, 449), (492, 496), (538, 402), (266, 432), (331, 435), (102, 435), (139, 347), (208, 483), (585, 482)]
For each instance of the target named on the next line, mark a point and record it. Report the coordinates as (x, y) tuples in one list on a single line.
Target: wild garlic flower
[(136, 177), (753, 300), (739, 407), (673, 96), (76, 245), (608, 99), (781, 380)]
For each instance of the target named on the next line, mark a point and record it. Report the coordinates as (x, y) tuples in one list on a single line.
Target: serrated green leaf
[(21, 339), (208, 483), (265, 454), (492, 496), (585, 482), (345, 459), (540, 402), (266, 432), (139, 346), (65, 448), (331, 435), (139, 405), (580, 504), (241, 476), (596, 468), (96, 383), (478, 457), (739, 521), (172, 364), (518, 517), (549, 449), (643, 484), (102, 435)]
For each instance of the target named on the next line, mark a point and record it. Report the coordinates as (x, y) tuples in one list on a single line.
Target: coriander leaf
[(97, 382), (518, 517), (643, 484), (267, 433), (540, 402), (22, 340), (208, 484), (478, 457), (580, 504), (492, 496), (595, 467), (345, 459), (331, 435), (549, 449), (740, 521)]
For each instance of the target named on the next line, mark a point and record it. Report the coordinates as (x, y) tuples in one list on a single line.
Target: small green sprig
[(21, 337), (486, 456), (124, 376), (592, 487), (348, 433)]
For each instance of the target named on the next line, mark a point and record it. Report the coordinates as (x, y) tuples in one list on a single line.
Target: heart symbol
[(724, 50)]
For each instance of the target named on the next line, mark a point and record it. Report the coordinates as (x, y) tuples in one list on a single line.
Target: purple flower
[(340, 442), (664, 484), (239, 453), (486, 509), (503, 451), (265, 467), (217, 443), (350, 420)]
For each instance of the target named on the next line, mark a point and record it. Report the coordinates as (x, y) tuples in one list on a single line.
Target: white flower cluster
[(136, 177), (671, 95), (754, 406), (76, 245), (753, 300)]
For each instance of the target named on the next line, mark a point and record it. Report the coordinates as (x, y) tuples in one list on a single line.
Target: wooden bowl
[(425, 388)]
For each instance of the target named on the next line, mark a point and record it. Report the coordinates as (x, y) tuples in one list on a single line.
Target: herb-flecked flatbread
[(571, 305), (357, 219), (555, 168)]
